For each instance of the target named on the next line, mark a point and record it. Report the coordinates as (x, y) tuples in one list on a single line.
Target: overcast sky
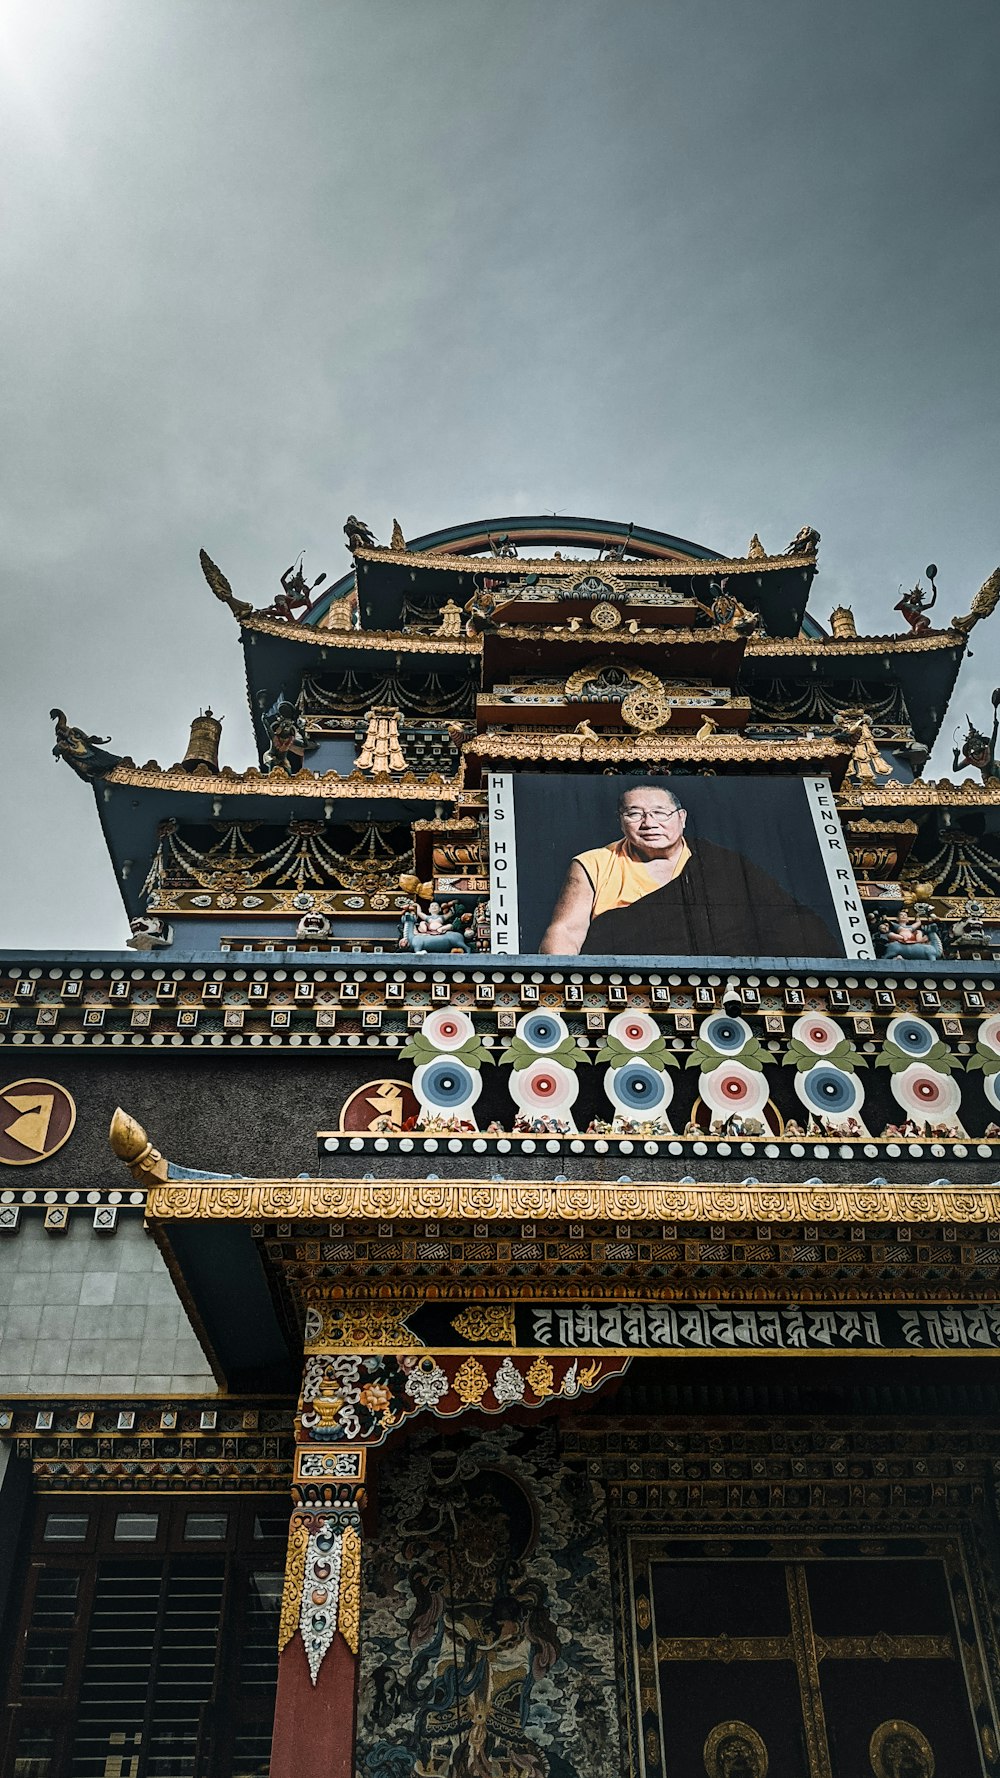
[(716, 266)]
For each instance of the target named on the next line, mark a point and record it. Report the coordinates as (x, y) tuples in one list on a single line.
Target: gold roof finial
[(398, 541), (203, 747), (842, 623), (756, 549)]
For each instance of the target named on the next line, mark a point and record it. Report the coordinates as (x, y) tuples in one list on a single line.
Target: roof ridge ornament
[(983, 605), (220, 586), (85, 753)]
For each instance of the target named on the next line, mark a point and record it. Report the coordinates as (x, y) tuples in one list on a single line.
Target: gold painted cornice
[(923, 793), (764, 646), (323, 786), (655, 567), (286, 1200), (390, 641), (715, 749)]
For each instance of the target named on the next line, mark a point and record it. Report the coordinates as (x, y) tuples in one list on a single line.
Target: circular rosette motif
[(913, 1036), (634, 1030), (724, 1034), (818, 1033), (542, 1031), (638, 1092), (925, 1095), (733, 1088), (830, 1092), (988, 1035), (545, 1090), (446, 1029), (446, 1088)]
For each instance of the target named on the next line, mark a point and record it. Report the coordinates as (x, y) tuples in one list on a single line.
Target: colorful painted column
[(316, 1706)]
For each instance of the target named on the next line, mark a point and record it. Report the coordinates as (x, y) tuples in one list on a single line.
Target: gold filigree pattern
[(541, 1377), (717, 748), (295, 1569), (326, 785), (471, 1382), (486, 1321), (349, 1603), (508, 1200), (361, 1326)]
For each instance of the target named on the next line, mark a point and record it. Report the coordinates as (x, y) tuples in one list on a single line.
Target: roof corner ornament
[(978, 752), (983, 605), (131, 1144), (295, 598), (755, 550), (221, 587), (915, 604), (358, 535), (85, 753), (804, 543)]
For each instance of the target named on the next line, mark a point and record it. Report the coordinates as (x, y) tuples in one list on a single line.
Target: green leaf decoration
[(984, 1058), (519, 1054), (939, 1058), (843, 1056)]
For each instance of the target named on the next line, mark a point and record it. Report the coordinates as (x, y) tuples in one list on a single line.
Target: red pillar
[(315, 1710)]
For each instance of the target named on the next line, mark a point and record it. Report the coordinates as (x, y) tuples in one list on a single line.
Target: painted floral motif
[(493, 1550), (735, 1089), (987, 1059), (635, 1081), (544, 1092), (508, 1384), (639, 1093), (910, 1039), (446, 1079), (542, 1032), (425, 1382), (930, 1098)]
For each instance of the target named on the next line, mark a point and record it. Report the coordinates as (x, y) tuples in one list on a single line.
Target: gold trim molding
[(393, 640), (325, 786), (654, 567), (284, 1200)]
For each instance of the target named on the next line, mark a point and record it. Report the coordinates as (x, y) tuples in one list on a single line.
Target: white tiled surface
[(84, 1314)]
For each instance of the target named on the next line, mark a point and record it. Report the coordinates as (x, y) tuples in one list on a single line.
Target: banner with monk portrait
[(683, 866)]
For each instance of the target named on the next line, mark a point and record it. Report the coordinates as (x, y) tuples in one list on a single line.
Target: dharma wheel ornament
[(646, 710), (605, 617)]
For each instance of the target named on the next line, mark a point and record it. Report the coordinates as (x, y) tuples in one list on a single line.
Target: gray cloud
[(716, 268)]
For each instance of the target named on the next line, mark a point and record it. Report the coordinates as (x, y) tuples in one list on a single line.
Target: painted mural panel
[(488, 1649)]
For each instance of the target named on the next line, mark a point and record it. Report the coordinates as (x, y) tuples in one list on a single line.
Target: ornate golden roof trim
[(778, 645), (655, 568), (921, 793), (284, 1200), (648, 747), (328, 786), (391, 640)]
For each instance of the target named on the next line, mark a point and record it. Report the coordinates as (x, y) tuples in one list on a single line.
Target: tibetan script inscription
[(791, 1328)]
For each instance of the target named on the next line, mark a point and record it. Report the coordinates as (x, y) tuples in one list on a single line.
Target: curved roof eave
[(534, 528)]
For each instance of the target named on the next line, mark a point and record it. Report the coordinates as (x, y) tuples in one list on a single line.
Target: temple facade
[(499, 1272)]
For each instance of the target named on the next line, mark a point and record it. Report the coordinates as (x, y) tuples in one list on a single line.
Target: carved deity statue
[(979, 752)]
